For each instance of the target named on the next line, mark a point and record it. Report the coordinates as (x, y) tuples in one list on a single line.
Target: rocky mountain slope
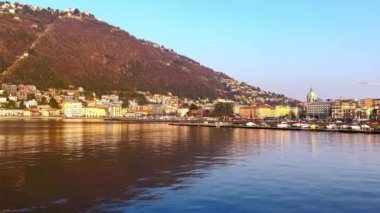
[(52, 48)]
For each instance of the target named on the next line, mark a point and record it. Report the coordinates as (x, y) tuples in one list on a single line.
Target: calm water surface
[(57, 166)]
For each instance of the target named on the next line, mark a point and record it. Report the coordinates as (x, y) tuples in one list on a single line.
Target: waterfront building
[(319, 109), (155, 109), (237, 107), (93, 112), (124, 112), (282, 111), (72, 109), (345, 110), (114, 111), (11, 113), (27, 113), (246, 112), (182, 112), (262, 112), (258, 112), (170, 110)]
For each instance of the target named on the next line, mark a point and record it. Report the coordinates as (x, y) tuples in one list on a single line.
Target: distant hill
[(52, 48)]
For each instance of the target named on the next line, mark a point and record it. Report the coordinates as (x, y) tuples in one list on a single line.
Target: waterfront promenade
[(242, 126)]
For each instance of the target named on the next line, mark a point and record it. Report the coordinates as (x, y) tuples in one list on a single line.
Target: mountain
[(52, 48)]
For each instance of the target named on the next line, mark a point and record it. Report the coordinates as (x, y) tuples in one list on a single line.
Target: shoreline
[(232, 126), (188, 123)]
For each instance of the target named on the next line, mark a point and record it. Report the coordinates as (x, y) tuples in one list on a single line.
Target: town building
[(72, 109), (345, 109), (320, 109), (182, 112), (282, 111), (258, 112), (93, 112), (114, 111), (155, 109)]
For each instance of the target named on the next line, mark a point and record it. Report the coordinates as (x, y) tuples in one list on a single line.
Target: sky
[(284, 46)]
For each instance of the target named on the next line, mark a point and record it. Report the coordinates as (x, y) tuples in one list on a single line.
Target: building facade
[(345, 110), (319, 109), (72, 109)]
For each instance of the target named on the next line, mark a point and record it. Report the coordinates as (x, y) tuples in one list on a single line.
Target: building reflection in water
[(86, 164)]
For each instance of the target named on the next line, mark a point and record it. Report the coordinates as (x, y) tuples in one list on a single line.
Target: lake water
[(58, 166)]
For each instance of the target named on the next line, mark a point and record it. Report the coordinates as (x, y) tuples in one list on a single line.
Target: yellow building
[(282, 111), (262, 112), (27, 113), (124, 112), (257, 112), (93, 112)]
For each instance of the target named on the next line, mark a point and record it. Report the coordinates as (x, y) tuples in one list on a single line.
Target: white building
[(3, 100), (31, 103), (182, 112), (72, 109), (114, 112)]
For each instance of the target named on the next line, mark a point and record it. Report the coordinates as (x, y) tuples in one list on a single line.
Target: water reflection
[(73, 166)]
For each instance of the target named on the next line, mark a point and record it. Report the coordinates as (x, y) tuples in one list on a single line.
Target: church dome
[(311, 96)]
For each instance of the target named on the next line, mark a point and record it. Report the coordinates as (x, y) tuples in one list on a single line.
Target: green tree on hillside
[(194, 107), (22, 105), (43, 101), (54, 104), (223, 109), (30, 97), (125, 103), (10, 105)]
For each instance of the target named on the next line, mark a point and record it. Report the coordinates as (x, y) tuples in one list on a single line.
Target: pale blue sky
[(278, 45)]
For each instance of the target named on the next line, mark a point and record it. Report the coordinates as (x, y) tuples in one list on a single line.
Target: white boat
[(331, 126), (355, 127), (283, 125), (365, 127), (250, 124), (297, 125)]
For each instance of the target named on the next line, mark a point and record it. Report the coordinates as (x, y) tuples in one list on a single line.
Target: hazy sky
[(282, 46)]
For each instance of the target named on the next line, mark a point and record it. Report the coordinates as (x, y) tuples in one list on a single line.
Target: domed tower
[(311, 96)]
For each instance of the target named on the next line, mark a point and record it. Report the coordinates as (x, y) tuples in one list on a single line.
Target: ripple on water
[(161, 168)]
